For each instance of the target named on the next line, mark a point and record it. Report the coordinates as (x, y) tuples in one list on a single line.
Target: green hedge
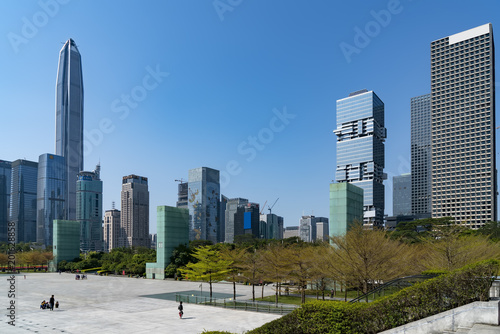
[(424, 299)]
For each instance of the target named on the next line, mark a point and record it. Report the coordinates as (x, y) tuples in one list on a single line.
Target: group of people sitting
[(46, 305), (77, 277)]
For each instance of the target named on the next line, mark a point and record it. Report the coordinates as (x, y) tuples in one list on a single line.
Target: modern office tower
[(111, 229), (5, 175), (281, 227), (182, 195), (66, 242), (222, 218), (291, 231), (204, 204), (234, 218), (23, 199), (401, 195), (346, 207), (272, 227), (89, 210), (307, 228), (421, 156), (51, 195), (322, 229), (463, 127), (69, 118), (251, 219), (172, 225), (360, 150), (134, 222)]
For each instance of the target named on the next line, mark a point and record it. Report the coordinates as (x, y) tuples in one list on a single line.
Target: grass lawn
[(284, 299)]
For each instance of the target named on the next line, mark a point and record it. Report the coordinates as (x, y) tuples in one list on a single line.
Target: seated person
[(57, 304)]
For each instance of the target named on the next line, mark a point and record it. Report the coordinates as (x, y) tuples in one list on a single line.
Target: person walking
[(51, 302), (180, 308)]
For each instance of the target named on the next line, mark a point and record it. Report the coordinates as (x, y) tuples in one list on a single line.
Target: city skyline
[(233, 108)]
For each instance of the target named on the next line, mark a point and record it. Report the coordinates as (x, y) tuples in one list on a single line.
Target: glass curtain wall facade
[(204, 204), (5, 175), (401, 195), (307, 228), (23, 199), (463, 127), (346, 207), (69, 118), (421, 156), (89, 210), (51, 195), (134, 222), (360, 150)]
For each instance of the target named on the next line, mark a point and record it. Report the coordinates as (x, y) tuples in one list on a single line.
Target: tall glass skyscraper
[(69, 118), (23, 199), (89, 210), (463, 127), (360, 150), (401, 195), (421, 156), (5, 174), (51, 195), (204, 204)]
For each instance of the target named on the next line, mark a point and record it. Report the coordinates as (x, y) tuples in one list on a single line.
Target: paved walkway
[(118, 305)]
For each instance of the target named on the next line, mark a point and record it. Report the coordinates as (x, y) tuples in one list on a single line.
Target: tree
[(251, 267), (450, 248), (236, 256), (366, 257), (301, 260), (275, 264), (209, 268)]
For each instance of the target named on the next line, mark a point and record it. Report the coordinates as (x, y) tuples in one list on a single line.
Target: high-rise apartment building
[(134, 222), (360, 150), (204, 204), (69, 118), (401, 195), (23, 199), (111, 229), (89, 210), (463, 127), (421, 156), (51, 195), (5, 175)]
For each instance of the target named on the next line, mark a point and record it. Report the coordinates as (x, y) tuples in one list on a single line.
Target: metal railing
[(237, 304)]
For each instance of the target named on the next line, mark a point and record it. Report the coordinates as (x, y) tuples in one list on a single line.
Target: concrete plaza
[(119, 305)]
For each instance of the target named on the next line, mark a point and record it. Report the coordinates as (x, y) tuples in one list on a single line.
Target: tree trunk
[(345, 295), (262, 296), (276, 294), (253, 291), (210, 283), (234, 290)]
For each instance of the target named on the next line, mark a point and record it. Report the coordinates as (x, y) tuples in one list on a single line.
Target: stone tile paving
[(115, 305)]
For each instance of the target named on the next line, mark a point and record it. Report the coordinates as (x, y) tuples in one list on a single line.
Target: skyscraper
[(111, 229), (204, 204), (51, 195), (89, 210), (23, 199), (360, 150), (421, 156), (463, 127), (234, 226), (307, 228), (69, 119), (5, 174), (134, 221), (401, 195)]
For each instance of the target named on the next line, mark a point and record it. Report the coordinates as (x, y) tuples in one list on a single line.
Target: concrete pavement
[(118, 305)]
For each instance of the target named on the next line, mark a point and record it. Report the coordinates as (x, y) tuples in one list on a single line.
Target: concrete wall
[(464, 316)]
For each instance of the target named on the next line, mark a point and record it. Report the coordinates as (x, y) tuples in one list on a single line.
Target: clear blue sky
[(228, 69)]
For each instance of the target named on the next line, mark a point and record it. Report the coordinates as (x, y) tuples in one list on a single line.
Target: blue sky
[(222, 73)]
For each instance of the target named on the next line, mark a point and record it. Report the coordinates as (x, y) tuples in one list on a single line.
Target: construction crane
[(263, 207), (181, 181), (272, 206)]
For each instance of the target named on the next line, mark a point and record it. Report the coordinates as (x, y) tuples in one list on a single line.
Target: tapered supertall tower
[(69, 119)]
